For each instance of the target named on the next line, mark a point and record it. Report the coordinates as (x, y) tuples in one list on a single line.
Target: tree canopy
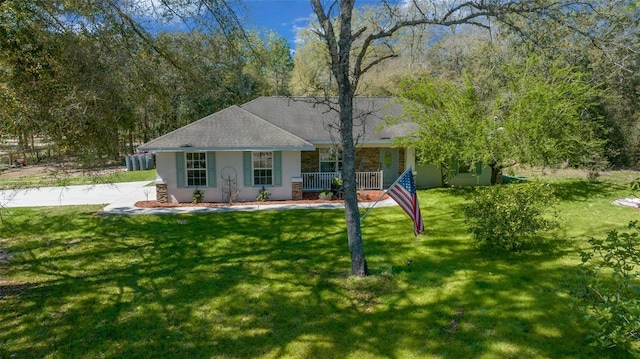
[(541, 114), (96, 78)]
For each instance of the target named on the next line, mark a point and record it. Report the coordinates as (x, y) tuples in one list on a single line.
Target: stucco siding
[(428, 176), (166, 168), (231, 161), (290, 169), (472, 179)]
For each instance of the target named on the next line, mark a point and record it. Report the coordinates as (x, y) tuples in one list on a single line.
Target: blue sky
[(287, 17)]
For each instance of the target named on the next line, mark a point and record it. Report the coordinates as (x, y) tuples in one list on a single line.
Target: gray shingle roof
[(281, 123)]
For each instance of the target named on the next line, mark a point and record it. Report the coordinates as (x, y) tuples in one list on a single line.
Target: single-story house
[(286, 146)]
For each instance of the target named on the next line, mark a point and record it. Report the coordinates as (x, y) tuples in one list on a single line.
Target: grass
[(276, 284), (70, 179)]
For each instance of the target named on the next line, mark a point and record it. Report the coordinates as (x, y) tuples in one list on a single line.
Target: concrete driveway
[(120, 198), (117, 194)]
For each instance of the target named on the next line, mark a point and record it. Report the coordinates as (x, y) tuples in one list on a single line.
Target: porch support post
[(161, 191), (296, 188)]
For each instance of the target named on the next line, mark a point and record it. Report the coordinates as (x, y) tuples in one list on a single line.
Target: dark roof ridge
[(271, 124)]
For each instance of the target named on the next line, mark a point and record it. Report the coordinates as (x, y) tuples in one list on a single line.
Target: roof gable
[(231, 129)]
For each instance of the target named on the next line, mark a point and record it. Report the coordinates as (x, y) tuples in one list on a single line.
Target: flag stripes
[(403, 191)]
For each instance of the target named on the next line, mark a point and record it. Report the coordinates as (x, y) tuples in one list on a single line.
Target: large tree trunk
[(352, 213), (346, 89), (340, 51)]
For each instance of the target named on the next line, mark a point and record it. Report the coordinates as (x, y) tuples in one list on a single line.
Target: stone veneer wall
[(367, 160), (296, 191), (161, 193)]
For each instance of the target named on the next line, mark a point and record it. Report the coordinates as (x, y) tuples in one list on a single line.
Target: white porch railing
[(369, 180), (320, 181)]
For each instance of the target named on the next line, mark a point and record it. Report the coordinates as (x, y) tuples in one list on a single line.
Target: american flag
[(403, 191)]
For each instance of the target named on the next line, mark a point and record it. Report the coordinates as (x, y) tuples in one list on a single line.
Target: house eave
[(366, 143), (223, 149)]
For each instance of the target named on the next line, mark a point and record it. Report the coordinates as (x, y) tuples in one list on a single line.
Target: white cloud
[(298, 25)]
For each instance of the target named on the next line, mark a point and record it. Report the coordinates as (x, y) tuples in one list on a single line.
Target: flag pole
[(384, 193), (373, 205)]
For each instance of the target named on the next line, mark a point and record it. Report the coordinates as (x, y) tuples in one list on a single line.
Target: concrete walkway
[(122, 194), (120, 198), (114, 208), (628, 202)]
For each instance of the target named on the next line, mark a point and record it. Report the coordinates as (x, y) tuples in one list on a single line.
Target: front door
[(389, 165)]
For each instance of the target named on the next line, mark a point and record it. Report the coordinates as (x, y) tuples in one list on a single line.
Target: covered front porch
[(322, 181)]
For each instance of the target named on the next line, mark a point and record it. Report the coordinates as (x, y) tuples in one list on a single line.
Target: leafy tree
[(542, 114), (65, 83), (91, 79), (615, 62), (453, 126), (551, 114), (279, 64), (603, 44), (311, 75), (607, 289)]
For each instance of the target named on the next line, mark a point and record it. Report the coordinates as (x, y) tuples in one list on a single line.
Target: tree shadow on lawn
[(565, 190), (495, 304), (582, 190), (276, 284), (35, 225)]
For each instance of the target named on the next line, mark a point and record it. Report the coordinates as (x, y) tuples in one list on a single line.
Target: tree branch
[(466, 13), (142, 34)]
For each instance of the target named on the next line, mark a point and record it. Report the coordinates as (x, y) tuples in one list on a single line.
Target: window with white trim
[(262, 167), (330, 159), (196, 166)]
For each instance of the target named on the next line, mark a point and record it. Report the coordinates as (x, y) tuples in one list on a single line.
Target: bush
[(197, 196), (607, 289), (507, 216), (263, 195), (635, 185)]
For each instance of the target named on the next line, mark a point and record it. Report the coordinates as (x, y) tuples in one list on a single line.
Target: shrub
[(607, 289), (336, 187), (635, 185), (325, 195), (197, 196), (507, 216), (263, 195)]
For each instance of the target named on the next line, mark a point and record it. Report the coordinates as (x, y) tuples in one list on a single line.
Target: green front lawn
[(50, 179), (276, 284)]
